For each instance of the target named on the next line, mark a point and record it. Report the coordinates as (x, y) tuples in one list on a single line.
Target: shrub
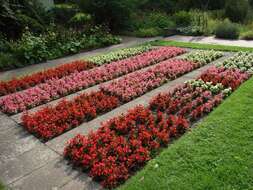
[(79, 20), (31, 23), (227, 30), (64, 12), (182, 18), (247, 35), (237, 10), (148, 32)]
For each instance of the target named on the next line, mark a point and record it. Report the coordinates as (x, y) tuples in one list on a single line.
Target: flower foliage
[(138, 83), (119, 55), (227, 77), (123, 144), (26, 82), (53, 121), (56, 88)]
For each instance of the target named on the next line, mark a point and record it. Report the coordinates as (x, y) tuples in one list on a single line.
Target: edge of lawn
[(216, 154), (200, 46)]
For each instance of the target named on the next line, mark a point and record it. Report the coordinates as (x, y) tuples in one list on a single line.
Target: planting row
[(140, 82), (52, 121), (56, 88), (124, 144), (203, 57), (119, 54), (242, 61), (26, 82)]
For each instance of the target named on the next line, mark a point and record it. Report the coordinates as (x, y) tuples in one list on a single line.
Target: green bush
[(148, 24), (31, 49), (64, 12), (227, 30), (8, 61), (148, 32), (236, 10), (31, 23), (182, 18), (79, 20), (247, 35)]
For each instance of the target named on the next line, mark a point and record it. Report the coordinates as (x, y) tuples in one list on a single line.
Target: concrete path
[(126, 42), (211, 40), (26, 163)]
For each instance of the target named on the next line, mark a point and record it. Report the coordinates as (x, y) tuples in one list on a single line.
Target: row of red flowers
[(56, 88), (50, 122), (26, 82), (227, 77), (125, 143)]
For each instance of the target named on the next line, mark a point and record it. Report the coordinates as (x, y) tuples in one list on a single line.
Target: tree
[(114, 13), (237, 10)]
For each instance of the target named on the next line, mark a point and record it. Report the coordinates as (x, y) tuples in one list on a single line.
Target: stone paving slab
[(126, 42), (26, 163), (51, 176), (15, 142), (5, 123), (82, 182)]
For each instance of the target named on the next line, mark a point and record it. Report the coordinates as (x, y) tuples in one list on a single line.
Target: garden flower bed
[(53, 121), (56, 88), (203, 57), (138, 83), (26, 82), (69, 114), (119, 55), (124, 144), (242, 61)]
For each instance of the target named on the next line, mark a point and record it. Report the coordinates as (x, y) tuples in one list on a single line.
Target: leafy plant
[(227, 30)]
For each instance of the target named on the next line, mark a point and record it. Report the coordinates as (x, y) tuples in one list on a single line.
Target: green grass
[(200, 46), (217, 154), (2, 186)]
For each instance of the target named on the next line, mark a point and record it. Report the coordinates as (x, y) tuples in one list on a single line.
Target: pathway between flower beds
[(27, 163)]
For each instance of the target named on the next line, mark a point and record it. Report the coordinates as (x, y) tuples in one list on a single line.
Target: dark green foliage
[(247, 35), (64, 12), (148, 24), (57, 42), (237, 10), (182, 18), (227, 30), (114, 13)]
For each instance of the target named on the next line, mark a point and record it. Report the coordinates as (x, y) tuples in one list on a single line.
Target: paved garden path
[(126, 42), (211, 40), (26, 163)]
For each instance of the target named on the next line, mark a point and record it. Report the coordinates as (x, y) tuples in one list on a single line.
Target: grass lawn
[(217, 154), (2, 186), (200, 46)]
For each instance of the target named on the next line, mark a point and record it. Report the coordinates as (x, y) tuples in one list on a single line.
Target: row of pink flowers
[(138, 83), (57, 88)]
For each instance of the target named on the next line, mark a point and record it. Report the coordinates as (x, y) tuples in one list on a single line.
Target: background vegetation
[(31, 33)]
